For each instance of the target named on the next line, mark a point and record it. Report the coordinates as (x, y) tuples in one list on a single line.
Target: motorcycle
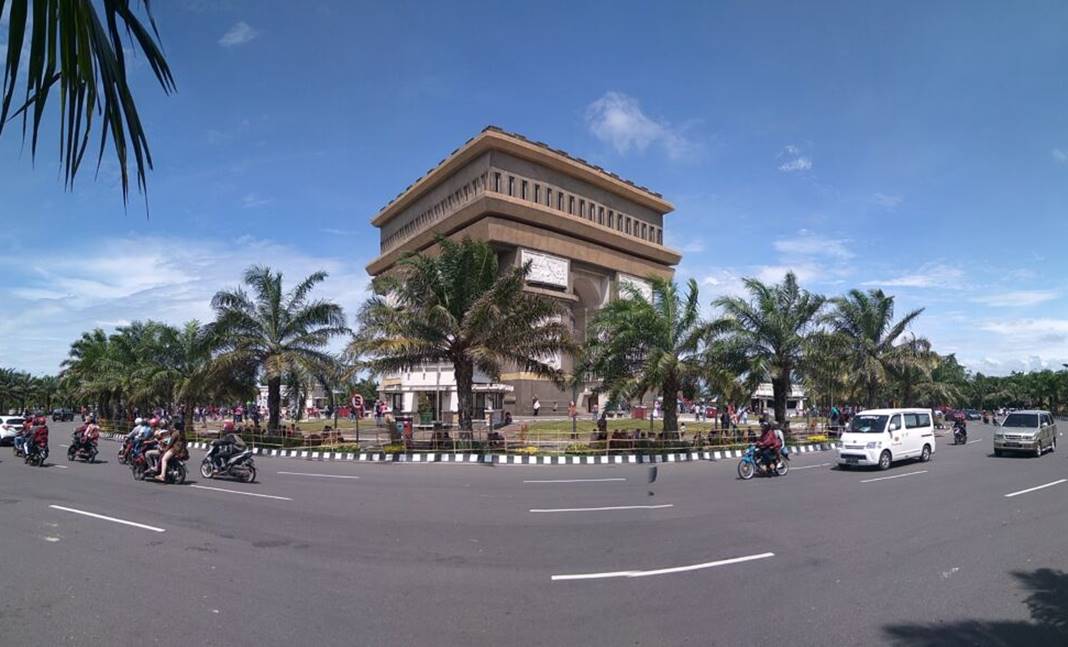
[(239, 466), (78, 449), (175, 469), (35, 454), (124, 451), (960, 436), (752, 463)]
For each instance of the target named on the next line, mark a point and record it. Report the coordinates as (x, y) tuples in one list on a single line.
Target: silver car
[(1028, 431)]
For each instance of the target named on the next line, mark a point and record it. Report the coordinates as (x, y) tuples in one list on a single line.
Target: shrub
[(529, 450), (395, 448), (817, 438)]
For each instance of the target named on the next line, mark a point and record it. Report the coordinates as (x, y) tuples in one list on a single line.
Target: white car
[(883, 436), (9, 426)]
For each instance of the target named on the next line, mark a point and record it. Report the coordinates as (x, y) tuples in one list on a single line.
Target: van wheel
[(1052, 445), (925, 455), (884, 460)]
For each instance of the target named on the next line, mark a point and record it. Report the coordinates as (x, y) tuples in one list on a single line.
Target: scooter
[(36, 454), (141, 470), (83, 450), (960, 435), (752, 463), (239, 466)]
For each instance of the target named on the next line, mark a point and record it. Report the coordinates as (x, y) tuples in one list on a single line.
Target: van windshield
[(1027, 420), (868, 424)]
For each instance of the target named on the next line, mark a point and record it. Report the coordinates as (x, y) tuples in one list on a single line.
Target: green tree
[(73, 47), (275, 331), (458, 307), (865, 320), (638, 345), (769, 331)]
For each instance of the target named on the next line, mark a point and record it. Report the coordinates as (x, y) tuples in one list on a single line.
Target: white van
[(882, 436)]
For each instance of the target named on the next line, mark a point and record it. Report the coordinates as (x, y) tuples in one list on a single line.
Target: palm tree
[(71, 45), (769, 331), (639, 345), (458, 307), (275, 331), (865, 321)]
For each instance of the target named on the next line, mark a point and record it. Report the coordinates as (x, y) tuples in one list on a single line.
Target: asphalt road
[(415, 554)]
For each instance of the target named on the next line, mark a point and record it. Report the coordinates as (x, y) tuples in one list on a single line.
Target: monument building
[(584, 230)]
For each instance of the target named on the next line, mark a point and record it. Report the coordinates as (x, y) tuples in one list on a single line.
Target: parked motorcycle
[(752, 464), (78, 449), (239, 466), (175, 469)]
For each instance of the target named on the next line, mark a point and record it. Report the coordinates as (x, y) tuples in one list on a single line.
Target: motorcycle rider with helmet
[(38, 440), (227, 445), (960, 426)]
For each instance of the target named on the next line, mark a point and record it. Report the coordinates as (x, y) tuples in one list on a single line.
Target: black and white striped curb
[(507, 459)]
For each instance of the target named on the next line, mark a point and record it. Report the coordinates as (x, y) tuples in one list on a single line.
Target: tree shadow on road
[(1047, 602)]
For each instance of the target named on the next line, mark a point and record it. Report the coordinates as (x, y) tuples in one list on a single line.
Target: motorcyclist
[(144, 437), (961, 426), (227, 445), (38, 442), (172, 444), (91, 433), (769, 446), (23, 435)]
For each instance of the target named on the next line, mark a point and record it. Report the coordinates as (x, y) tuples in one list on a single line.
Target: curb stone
[(506, 459)]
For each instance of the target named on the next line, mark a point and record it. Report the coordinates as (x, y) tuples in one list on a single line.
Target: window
[(627, 228), (643, 230), (524, 194), (571, 205), (582, 208), (467, 192), (511, 185), (609, 218), (559, 201), (600, 215), (895, 423), (912, 421), (497, 182), (537, 193)]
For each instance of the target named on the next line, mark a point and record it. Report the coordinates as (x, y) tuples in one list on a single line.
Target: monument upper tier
[(511, 191)]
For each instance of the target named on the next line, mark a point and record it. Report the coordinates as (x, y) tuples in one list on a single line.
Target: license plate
[(1012, 444), (851, 460)]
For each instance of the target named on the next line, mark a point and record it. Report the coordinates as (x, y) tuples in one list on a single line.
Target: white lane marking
[(64, 445), (614, 507), (325, 476), (977, 440), (662, 571), (577, 480), (219, 489), (895, 476), (111, 519), (808, 467), (1037, 487), (60, 467)]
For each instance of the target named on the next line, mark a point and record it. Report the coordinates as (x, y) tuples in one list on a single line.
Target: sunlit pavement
[(412, 554)]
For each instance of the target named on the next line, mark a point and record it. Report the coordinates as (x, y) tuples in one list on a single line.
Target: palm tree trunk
[(188, 413), (465, 377), (274, 397), (780, 390), (669, 391)]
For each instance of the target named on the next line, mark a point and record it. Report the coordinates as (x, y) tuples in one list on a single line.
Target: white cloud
[(1059, 155), (887, 201), (807, 243), (932, 275), (617, 120), (1028, 327), (168, 279), (793, 160), (253, 200), (239, 34), (1017, 298), (805, 272)]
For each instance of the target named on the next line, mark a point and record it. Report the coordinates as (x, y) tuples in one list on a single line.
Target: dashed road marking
[(895, 476), (1037, 487), (662, 571), (606, 508), (106, 518), (262, 496)]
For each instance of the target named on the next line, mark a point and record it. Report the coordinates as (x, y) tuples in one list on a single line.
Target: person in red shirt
[(769, 446)]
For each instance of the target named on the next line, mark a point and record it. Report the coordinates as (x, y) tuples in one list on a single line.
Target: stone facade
[(585, 231)]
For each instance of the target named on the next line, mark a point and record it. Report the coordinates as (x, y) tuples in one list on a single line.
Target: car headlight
[(875, 444), (999, 436)]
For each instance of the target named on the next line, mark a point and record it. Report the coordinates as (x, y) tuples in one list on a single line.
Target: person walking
[(536, 405)]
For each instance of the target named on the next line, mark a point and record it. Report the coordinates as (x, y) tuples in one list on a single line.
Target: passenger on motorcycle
[(39, 440), (770, 444), (174, 446), (91, 433), (227, 445), (147, 432)]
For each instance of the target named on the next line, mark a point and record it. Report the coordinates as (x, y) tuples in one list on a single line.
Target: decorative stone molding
[(546, 269), (641, 285)]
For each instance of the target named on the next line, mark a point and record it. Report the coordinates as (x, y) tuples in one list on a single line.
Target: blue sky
[(921, 147)]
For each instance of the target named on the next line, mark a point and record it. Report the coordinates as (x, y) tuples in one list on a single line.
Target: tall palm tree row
[(459, 307), (275, 332), (21, 391)]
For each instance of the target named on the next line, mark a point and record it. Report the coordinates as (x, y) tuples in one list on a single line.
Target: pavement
[(324, 553)]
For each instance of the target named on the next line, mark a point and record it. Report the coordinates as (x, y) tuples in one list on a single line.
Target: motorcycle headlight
[(875, 444)]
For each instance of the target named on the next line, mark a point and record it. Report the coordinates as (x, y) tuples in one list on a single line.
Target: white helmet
[(139, 421)]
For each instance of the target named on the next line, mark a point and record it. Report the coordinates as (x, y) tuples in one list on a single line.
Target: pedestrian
[(536, 405), (572, 410)]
